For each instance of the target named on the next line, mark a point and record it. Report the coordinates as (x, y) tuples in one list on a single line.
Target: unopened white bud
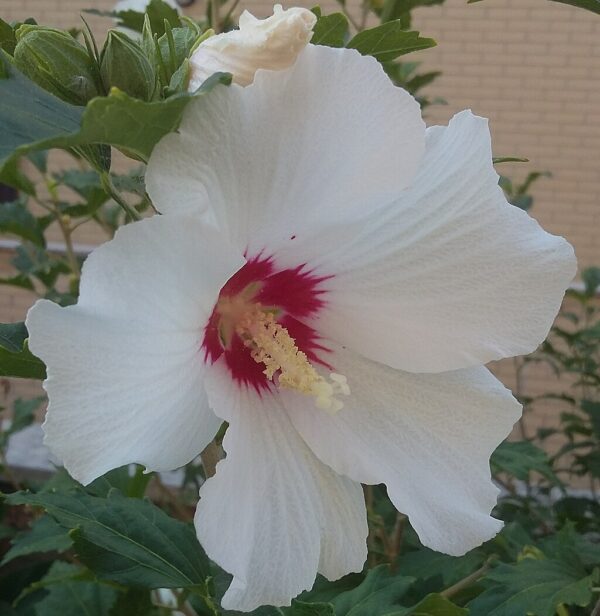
[(272, 43)]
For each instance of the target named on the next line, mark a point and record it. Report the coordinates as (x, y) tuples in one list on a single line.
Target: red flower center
[(289, 295)]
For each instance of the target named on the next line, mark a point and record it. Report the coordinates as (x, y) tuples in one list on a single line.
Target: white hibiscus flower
[(328, 277)]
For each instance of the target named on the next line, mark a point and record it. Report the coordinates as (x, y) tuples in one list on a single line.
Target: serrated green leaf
[(127, 540), (378, 594), (45, 536), (68, 596), (519, 458), (532, 586), (35, 120), (15, 358), (388, 41), (330, 30)]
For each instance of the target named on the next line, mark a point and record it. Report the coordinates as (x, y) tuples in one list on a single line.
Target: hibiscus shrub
[(124, 544)]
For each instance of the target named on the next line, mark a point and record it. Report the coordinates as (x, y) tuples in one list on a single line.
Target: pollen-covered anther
[(272, 345)]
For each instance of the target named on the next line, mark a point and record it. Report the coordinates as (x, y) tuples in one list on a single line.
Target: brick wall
[(531, 66)]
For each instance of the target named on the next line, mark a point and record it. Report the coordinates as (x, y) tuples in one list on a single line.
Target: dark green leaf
[(426, 563), (330, 30), (432, 605), (388, 41), (15, 358), (126, 540), (519, 458), (8, 40), (12, 336), (69, 596), (532, 586), (45, 536), (298, 608), (34, 119), (30, 115), (378, 594)]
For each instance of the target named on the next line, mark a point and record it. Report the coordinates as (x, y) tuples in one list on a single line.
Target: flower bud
[(272, 43), (57, 63), (125, 66)]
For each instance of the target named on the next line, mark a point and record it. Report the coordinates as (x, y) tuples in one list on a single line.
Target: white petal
[(450, 275), (125, 365), (273, 514), (327, 140), (427, 437)]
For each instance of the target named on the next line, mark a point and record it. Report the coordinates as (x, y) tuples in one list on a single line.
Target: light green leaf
[(330, 30), (15, 358), (127, 540), (388, 41), (45, 536), (532, 586)]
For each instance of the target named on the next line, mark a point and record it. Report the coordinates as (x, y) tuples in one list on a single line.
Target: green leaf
[(569, 545), (17, 220), (15, 358), (532, 586), (12, 336), (519, 458), (35, 120), (68, 596), (330, 30), (8, 41), (389, 41), (298, 608), (433, 605), (378, 594), (45, 536), (127, 540)]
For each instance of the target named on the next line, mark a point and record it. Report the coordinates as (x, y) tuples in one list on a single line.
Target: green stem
[(64, 225), (109, 187), (210, 457), (470, 579)]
